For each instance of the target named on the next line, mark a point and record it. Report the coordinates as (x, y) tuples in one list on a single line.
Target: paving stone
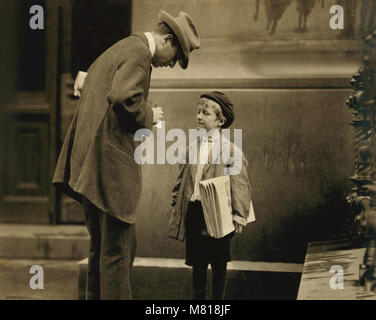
[(60, 279)]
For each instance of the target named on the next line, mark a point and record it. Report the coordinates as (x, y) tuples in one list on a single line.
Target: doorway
[(37, 104)]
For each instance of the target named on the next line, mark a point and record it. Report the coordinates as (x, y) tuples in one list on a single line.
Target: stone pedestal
[(317, 282)]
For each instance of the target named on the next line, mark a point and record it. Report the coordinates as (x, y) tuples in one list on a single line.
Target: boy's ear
[(222, 121)]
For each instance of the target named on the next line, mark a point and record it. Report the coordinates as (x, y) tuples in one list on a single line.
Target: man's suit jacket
[(183, 190), (97, 156)]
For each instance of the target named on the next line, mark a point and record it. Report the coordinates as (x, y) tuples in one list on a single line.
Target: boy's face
[(206, 116)]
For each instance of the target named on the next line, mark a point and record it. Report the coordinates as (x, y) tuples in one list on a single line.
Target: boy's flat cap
[(225, 103)]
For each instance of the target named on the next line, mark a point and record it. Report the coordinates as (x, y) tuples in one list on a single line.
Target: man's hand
[(157, 115), (238, 227)]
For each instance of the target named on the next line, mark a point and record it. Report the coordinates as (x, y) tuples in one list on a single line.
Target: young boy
[(214, 112)]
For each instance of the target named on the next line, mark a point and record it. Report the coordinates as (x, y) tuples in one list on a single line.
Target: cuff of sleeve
[(149, 117), (239, 220)]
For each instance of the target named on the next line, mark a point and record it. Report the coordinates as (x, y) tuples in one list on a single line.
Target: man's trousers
[(112, 251)]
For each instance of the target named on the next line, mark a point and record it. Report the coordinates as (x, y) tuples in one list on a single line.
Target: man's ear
[(167, 38)]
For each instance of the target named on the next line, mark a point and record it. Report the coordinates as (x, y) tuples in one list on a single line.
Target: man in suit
[(96, 165)]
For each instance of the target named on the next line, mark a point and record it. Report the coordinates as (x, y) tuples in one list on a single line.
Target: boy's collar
[(212, 136)]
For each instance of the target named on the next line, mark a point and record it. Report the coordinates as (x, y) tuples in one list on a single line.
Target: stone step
[(28, 241), (60, 279), (153, 279), (170, 279), (61, 251)]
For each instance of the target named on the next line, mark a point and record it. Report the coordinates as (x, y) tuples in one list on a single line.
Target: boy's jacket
[(183, 190)]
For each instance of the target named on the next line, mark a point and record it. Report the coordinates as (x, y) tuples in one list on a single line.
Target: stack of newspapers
[(216, 202)]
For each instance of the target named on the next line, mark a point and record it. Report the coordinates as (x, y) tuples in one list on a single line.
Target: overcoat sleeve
[(175, 190), (241, 194), (127, 90)]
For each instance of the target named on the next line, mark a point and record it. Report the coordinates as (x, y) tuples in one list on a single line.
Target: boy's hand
[(238, 227)]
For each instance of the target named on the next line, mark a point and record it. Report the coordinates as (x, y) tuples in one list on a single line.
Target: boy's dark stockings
[(200, 280)]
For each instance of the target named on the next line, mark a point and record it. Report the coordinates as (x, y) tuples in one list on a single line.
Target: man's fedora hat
[(186, 32)]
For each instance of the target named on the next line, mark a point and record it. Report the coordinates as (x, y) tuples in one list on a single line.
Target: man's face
[(206, 116), (166, 55)]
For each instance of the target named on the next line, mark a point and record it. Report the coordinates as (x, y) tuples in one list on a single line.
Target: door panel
[(25, 160)]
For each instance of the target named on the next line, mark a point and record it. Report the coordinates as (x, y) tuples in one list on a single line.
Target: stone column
[(360, 197), (363, 103)]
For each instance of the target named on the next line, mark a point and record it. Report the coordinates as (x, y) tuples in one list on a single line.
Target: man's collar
[(151, 42)]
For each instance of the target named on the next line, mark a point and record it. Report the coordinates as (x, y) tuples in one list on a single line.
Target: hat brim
[(171, 22)]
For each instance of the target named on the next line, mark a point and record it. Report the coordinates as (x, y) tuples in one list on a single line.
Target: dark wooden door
[(36, 105), (25, 116)]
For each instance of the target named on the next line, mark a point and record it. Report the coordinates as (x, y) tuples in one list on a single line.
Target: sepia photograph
[(188, 150)]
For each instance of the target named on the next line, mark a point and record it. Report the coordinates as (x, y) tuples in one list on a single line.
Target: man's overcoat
[(97, 156)]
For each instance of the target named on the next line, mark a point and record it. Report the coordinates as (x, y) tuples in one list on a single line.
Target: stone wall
[(297, 145), (289, 89)]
